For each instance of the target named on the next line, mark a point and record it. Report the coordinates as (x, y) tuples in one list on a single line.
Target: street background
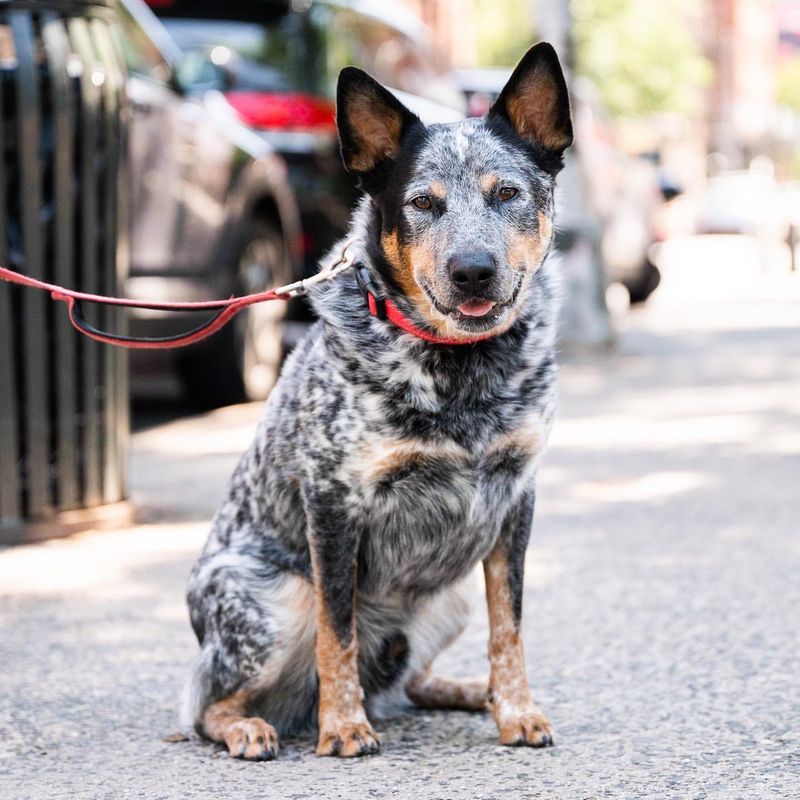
[(662, 596), (660, 610)]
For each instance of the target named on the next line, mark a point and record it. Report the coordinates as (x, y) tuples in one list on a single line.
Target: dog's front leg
[(344, 729), (518, 718)]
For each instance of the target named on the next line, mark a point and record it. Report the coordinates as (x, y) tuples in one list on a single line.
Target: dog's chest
[(433, 509)]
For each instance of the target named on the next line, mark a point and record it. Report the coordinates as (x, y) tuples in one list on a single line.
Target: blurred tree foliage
[(505, 30), (789, 83), (641, 55)]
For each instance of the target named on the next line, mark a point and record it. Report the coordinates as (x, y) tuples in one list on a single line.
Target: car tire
[(644, 284), (242, 361)]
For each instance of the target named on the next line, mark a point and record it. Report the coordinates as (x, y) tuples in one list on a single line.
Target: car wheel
[(242, 361)]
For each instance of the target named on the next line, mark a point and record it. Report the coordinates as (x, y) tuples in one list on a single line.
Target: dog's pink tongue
[(476, 308)]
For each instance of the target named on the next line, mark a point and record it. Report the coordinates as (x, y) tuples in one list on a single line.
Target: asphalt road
[(662, 620)]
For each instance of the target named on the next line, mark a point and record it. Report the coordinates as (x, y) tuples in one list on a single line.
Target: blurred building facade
[(453, 27), (788, 12), (743, 96), (751, 42)]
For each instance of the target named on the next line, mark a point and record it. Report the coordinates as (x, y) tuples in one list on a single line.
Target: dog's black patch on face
[(387, 189), (386, 186), (549, 161)]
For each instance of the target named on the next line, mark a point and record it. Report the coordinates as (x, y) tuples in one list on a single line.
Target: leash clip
[(374, 297)]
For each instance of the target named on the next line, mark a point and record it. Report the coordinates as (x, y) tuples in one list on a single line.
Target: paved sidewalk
[(661, 606)]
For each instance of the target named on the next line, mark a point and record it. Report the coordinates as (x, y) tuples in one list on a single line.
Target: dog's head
[(464, 210)]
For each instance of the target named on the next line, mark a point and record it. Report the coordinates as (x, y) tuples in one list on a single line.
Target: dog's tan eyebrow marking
[(488, 182), (438, 190)]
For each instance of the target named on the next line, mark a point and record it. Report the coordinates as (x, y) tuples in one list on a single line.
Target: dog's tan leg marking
[(518, 718), (432, 691), (246, 737), (344, 729)]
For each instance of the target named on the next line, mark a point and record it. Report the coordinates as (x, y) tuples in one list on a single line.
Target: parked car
[(791, 202), (625, 193), (213, 214), (749, 202), (275, 64)]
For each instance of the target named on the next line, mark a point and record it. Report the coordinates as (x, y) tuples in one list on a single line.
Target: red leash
[(226, 309), (378, 304)]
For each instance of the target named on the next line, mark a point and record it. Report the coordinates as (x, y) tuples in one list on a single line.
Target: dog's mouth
[(475, 313), (476, 307)]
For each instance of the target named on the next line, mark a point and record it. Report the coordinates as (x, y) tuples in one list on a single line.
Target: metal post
[(63, 401), (584, 319)]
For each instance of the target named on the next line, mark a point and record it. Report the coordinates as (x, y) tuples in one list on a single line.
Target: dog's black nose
[(472, 270)]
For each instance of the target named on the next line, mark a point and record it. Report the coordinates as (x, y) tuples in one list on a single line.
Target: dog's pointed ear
[(371, 121), (535, 101)]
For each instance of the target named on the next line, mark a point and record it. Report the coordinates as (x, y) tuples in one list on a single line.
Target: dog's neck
[(430, 379)]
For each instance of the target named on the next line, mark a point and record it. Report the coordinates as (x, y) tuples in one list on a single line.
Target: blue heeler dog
[(400, 446)]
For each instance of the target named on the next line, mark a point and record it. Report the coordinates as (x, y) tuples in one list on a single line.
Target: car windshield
[(265, 57)]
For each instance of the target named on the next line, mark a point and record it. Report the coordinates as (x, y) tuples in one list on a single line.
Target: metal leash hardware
[(300, 288), (373, 295)]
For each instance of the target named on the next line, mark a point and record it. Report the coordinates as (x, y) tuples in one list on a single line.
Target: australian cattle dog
[(400, 446)]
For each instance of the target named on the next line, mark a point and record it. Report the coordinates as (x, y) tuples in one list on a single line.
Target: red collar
[(381, 307)]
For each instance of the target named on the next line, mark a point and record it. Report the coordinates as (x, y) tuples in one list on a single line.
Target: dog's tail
[(198, 691)]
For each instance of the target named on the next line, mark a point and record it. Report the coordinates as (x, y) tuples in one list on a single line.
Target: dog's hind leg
[(254, 675), (433, 691), (437, 624), (251, 738)]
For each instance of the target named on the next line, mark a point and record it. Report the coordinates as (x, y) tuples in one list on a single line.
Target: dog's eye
[(423, 202), (507, 192)]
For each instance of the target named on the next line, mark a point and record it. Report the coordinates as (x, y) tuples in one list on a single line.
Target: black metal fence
[(63, 399)]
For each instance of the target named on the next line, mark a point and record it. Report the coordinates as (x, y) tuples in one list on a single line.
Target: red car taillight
[(289, 111)]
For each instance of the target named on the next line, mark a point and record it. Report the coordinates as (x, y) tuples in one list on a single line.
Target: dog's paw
[(252, 739), (528, 729), (348, 740)]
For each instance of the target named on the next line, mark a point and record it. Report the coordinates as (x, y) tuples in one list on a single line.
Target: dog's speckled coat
[(385, 467)]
